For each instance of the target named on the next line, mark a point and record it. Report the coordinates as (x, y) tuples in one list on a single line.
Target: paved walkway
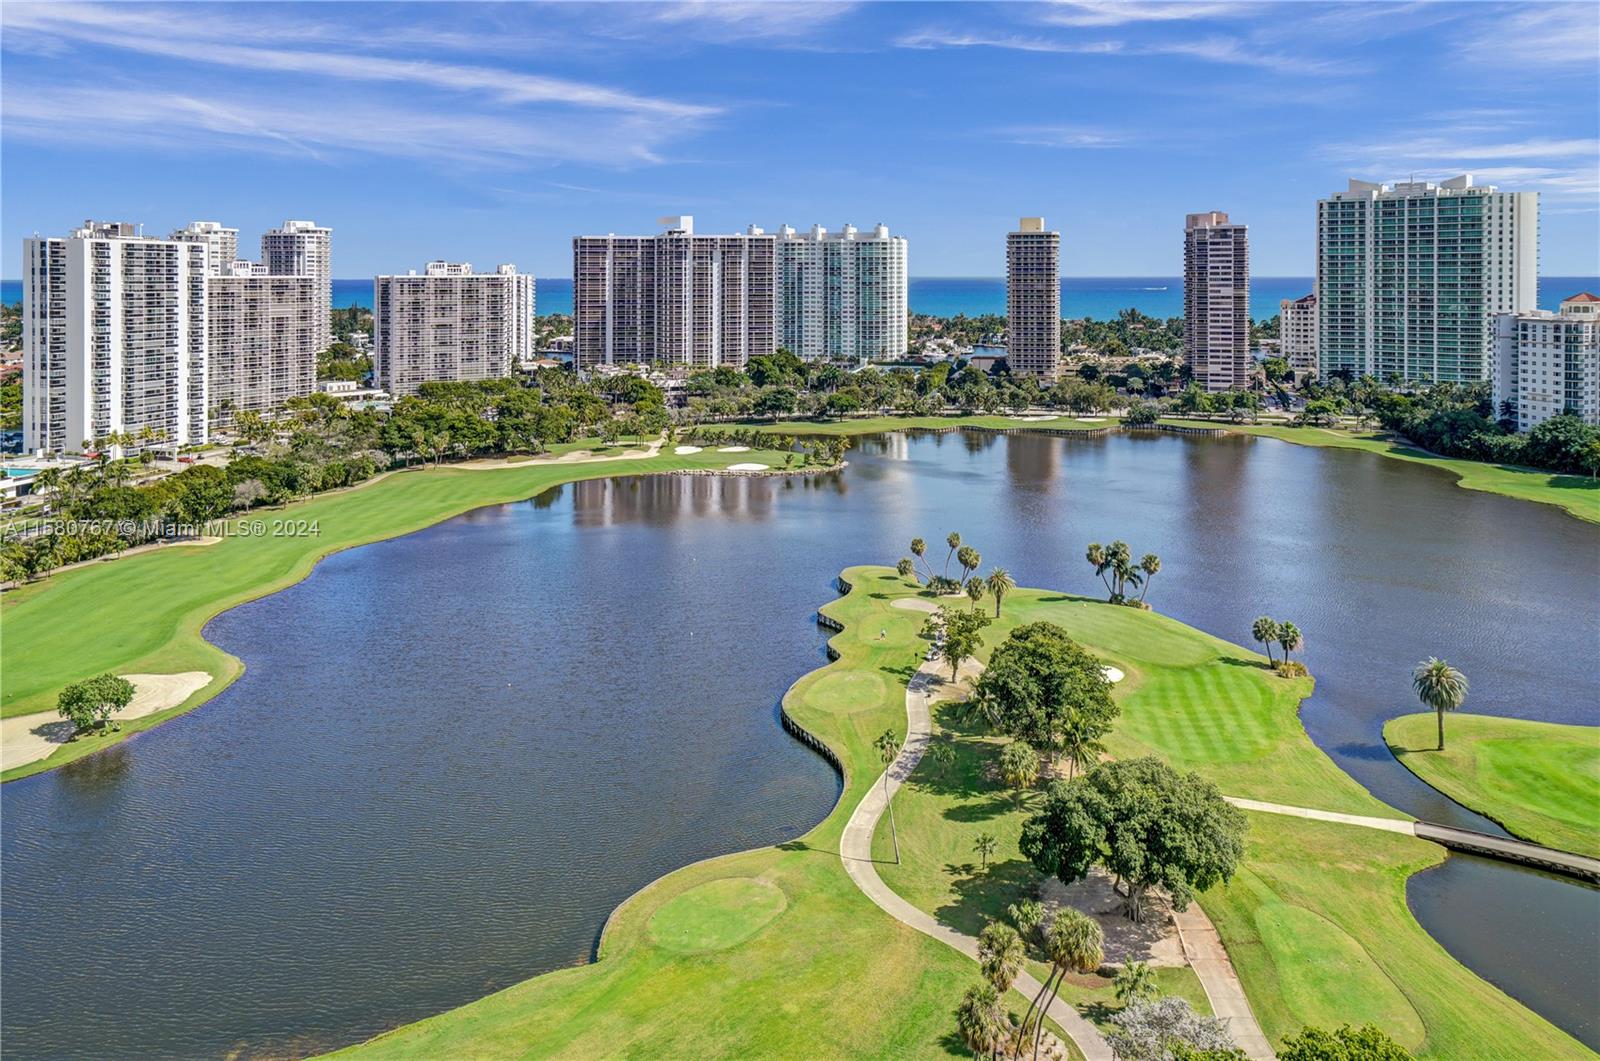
[(1202, 945), (855, 850), (1390, 825)]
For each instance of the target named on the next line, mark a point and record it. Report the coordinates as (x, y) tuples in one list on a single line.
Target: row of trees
[(1116, 568)]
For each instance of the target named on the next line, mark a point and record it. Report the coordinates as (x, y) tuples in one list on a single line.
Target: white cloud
[(1066, 136), (1099, 13), (733, 20), (1215, 49), (1538, 39), (1561, 168)]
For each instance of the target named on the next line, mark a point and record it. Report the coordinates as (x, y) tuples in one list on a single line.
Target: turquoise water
[(1097, 297), (20, 473)]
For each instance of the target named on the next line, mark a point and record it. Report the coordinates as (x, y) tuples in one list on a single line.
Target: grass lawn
[(1316, 918), (707, 962), (1540, 780), (144, 613)]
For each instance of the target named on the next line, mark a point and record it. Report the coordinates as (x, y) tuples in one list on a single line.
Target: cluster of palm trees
[(1268, 631), (997, 584), (1116, 567), (146, 437), (1072, 942)]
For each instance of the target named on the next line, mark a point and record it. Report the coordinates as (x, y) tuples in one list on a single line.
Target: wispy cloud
[(1446, 149), (1561, 168), (1098, 13), (733, 20), (1064, 136), (1213, 49)]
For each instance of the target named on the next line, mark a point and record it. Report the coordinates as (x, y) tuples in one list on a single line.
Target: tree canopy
[(1044, 686), (1144, 822)]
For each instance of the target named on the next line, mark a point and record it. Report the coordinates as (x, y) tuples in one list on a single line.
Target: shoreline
[(188, 640)]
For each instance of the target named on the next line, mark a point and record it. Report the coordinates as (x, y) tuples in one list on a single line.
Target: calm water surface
[(452, 754)]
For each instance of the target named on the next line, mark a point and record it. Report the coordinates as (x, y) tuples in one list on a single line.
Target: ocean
[(1096, 297)]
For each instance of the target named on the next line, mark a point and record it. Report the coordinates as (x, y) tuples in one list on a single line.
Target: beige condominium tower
[(1033, 300), (449, 324), (1216, 301)]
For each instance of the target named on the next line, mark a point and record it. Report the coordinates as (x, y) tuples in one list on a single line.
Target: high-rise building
[(842, 294), (1546, 364), (450, 323), (1410, 276), (261, 347), (674, 299), (1033, 300), (224, 243), (1297, 334), (1216, 301), (304, 248), (114, 339)]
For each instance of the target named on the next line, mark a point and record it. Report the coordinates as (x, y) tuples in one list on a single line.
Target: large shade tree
[(1045, 686), (1145, 823)]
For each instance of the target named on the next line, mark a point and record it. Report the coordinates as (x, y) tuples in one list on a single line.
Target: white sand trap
[(733, 449), (914, 604), (1113, 675), (29, 738), (687, 449), (749, 467), (1037, 419)]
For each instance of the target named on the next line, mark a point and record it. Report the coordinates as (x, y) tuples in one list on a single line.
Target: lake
[(453, 753)]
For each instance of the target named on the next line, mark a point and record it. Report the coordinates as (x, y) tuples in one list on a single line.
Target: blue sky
[(496, 132)]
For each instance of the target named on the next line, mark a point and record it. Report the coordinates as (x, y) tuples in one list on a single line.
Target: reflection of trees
[(1033, 460), (660, 500)]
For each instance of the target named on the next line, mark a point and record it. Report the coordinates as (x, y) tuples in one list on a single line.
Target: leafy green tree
[(1265, 631), (1440, 687), (942, 756), (1366, 1043), (1135, 982), (1019, 767), (984, 845), (888, 745), (959, 635), (1142, 821), (1000, 583), (89, 703), (1043, 683)]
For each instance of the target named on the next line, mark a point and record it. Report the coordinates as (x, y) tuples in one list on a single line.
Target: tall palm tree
[(888, 745), (1073, 942), (1000, 583), (969, 559), (983, 707), (1265, 629), (1441, 687), (1150, 563), (1096, 555), (1000, 955), (1289, 637), (919, 549), (954, 542), (1078, 743), (978, 1019)]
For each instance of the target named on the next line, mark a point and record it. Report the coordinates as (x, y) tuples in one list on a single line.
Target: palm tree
[(1073, 942), (1441, 687), (1096, 555), (982, 707), (1000, 954), (969, 559), (975, 591), (1000, 583), (1265, 630), (1134, 982), (907, 568), (1078, 743), (978, 1019), (1289, 637), (954, 542), (1019, 767), (888, 745), (919, 549), (942, 756), (984, 845), (1150, 563)]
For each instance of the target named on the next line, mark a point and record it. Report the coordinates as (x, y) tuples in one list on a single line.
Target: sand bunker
[(687, 449), (29, 738), (1113, 675), (733, 449), (749, 467)]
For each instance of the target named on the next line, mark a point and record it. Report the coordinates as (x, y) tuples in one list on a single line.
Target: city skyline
[(497, 133)]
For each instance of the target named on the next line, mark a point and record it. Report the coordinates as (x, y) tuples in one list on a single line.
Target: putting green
[(1325, 975), (716, 915)]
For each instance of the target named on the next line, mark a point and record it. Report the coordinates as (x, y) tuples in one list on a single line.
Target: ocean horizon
[(1094, 297)]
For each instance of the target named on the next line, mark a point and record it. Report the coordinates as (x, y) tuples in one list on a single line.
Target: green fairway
[(1538, 779), (717, 914), (144, 613)]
